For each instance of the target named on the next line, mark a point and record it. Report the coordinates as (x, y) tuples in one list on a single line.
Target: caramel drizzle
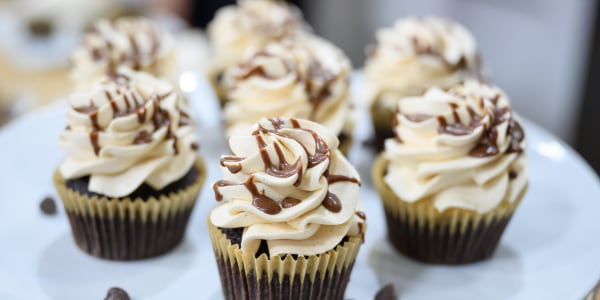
[(135, 57), (488, 143), (284, 170), (289, 202), (331, 179), (133, 104), (434, 51), (92, 111), (316, 72)]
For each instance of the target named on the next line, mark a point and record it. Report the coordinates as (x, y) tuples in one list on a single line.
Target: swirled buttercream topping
[(459, 148), (305, 78), (131, 42), (287, 183), (417, 53), (129, 128), (249, 25)]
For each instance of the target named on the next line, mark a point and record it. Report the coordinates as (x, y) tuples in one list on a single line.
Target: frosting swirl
[(287, 183), (129, 128), (417, 53), (250, 25), (460, 148), (306, 78), (132, 42)]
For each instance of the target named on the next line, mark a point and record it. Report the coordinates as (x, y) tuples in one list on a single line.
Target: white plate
[(551, 249)]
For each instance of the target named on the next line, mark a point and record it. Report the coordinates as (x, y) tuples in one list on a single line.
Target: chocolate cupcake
[(132, 174), (288, 225), (132, 42), (411, 56), (248, 26), (305, 78), (453, 175)]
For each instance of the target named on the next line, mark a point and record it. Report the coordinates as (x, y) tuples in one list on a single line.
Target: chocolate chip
[(386, 293), (48, 206), (116, 293)]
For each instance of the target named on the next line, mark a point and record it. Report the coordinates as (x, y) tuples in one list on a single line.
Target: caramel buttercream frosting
[(127, 129), (286, 183), (462, 147)]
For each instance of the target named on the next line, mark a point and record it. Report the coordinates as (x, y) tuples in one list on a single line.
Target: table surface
[(50, 85)]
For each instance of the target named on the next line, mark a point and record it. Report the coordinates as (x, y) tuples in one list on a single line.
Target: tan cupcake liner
[(218, 88), (454, 236), (244, 276), (129, 229), (383, 119)]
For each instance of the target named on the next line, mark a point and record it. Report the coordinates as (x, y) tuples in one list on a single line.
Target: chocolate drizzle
[(219, 184), (260, 200), (283, 169), (232, 163), (457, 127), (316, 79), (417, 118), (134, 58), (361, 215), (143, 137), (487, 145), (94, 141), (318, 93), (332, 202), (133, 103), (92, 111), (434, 50), (331, 179), (289, 202)]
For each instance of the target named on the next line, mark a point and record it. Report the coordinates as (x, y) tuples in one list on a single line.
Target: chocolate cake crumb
[(48, 206), (117, 293)]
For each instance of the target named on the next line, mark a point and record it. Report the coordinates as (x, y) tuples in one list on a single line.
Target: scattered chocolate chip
[(40, 28), (48, 206), (386, 293), (116, 293)]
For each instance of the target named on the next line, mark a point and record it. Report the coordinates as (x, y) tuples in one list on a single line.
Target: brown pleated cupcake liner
[(244, 276), (214, 77), (454, 236), (346, 143), (129, 229), (382, 119)]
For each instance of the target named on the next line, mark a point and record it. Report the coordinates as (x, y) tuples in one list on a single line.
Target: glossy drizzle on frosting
[(304, 77), (138, 131), (462, 147), (132, 42), (416, 53), (288, 184)]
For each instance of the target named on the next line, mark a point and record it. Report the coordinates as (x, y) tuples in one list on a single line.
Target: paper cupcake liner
[(244, 276), (346, 142), (125, 228), (382, 119), (454, 236), (220, 91)]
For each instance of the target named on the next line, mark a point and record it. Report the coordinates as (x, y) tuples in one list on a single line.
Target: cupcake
[(132, 173), (305, 78), (416, 53), (133, 42), (288, 224), (247, 26), (453, 175)]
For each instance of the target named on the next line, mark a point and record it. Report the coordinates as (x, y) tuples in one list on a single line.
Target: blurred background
[(544, 53)]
